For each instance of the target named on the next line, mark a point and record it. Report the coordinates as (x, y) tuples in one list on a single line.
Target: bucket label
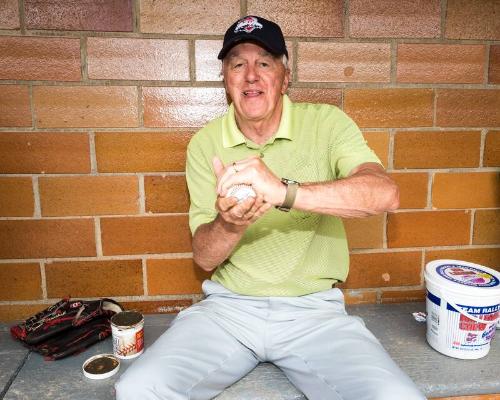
[(466, 275)]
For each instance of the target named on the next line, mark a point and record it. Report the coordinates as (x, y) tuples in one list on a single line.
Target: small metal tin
[(127, 328), (101, 366)]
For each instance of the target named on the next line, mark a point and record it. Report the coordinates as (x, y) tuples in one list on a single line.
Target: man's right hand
[(244, 213)]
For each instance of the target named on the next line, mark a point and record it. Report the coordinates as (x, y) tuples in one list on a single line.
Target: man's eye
[(237, 66), (264, 64)]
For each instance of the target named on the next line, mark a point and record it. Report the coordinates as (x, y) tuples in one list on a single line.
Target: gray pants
[(324, 352)]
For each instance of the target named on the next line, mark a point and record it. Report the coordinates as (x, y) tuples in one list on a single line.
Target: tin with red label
[(127, 328)]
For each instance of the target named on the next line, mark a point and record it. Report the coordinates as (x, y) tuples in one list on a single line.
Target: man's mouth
[(252, 93)]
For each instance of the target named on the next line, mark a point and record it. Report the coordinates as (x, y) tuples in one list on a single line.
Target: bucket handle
[(465, 313)]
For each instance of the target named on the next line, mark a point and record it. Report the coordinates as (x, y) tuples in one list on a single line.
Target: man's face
[(255, 81)]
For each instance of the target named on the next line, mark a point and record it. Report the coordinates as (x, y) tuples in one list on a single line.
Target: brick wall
[(98, 100)]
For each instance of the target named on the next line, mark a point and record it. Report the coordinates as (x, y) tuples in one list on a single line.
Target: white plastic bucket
[(463, 303), (127, 328)]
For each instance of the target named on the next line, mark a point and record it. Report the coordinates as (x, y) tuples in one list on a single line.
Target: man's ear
[(286, 81)]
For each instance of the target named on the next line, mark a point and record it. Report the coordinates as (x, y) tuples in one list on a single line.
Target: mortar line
[(83, 62), (243, 8), (192, 59), (394, 61), (472, 220), (430, 181), (43, 277), (444, 8), (142, 195), (32, 107), (22, 17), (136, 15), (93, 157), (37, 212), (392, 139), (345, 20), (486, 63), (97, 232), (482, 147)]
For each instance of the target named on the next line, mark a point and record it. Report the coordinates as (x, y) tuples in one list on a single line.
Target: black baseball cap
[(254, 29)]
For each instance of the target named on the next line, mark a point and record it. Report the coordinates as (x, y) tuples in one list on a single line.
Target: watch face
[(289, 181)]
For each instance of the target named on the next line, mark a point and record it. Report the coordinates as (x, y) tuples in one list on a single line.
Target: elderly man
[(277, 254)]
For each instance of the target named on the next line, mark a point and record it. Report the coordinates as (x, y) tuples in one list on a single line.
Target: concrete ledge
[(25, 375)]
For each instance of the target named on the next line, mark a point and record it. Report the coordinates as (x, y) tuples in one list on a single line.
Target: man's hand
[(250, 171), (244, 213)]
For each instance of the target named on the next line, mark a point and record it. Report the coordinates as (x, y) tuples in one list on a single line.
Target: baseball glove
[(67, 327)]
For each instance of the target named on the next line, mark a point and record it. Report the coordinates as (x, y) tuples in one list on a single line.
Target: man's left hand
[(250, 171)]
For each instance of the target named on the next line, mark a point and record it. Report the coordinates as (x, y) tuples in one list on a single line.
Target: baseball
[(241, 192)]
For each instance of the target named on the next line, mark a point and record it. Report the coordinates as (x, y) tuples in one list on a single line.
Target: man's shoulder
[(210, 133), (309, 108)]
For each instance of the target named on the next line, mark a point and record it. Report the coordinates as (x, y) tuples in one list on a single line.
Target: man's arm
[(215, 241), (368, 190)]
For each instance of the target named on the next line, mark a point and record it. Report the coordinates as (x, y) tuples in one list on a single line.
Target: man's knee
[(147, 387)]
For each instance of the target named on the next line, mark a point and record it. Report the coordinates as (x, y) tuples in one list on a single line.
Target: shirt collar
[(232, 136)]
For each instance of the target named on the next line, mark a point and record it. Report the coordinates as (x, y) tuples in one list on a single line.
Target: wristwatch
[(291, 193)]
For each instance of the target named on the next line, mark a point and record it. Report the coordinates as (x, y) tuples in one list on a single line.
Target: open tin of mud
[(101, 366)]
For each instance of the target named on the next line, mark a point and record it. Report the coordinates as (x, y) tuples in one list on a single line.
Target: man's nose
[(252, 74)]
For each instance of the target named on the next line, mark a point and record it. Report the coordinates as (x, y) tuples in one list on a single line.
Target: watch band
[(291, 193)]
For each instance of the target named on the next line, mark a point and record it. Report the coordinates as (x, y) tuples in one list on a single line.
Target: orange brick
[(466, 190), (19, 312), (182, 106), (472, 19), (312, 95), (42, 238), (188, 17), (85, 106), (89, 195), (365, 233), (30, 58), (440, 63), (141, 235), (9, 14), (379, 143), (468, 107), (494, 68), (489, 257), (141, 152), (492, 149), (437, 149), (167, 194), (94, 278), (344, 62), (402, 296), (385, 108), (384, 269), (47, 152), (412, 189), (158, 306), (393, 18), (15, 107), (175, 276), (360, 296), (20, 282), (428, 228), (320, 18), (486, 227), (208, 67), (138, 59), (16, 197), (88, 15)]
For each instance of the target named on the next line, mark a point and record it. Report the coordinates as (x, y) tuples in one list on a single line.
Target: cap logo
[(247, 25)]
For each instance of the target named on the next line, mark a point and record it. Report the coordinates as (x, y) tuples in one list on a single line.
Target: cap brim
[(247, 38)]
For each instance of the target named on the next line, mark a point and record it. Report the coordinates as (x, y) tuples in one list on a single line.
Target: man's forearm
[(214, 242), (362, 194)]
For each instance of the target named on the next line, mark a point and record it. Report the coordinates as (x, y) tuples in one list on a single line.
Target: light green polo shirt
[(281, 254)]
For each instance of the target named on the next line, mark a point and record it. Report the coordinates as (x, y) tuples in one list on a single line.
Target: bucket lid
[(464, 276), (101, 366)]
